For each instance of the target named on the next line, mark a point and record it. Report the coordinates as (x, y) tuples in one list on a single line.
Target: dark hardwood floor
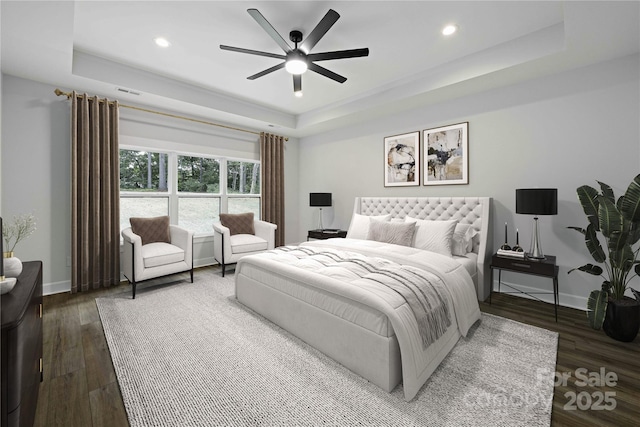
[(80, 387)]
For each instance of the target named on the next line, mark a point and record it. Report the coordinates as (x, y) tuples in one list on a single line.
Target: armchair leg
[(133, 290), (223, 269), (191, 275)]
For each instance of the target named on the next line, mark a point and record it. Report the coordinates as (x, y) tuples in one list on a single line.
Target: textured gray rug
[(189, 355)]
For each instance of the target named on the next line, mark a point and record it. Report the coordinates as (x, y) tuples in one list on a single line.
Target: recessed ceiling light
[(449, 29), (298, 93), (162, 42)]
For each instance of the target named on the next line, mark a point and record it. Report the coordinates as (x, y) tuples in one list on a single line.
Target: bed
[(356, 299)]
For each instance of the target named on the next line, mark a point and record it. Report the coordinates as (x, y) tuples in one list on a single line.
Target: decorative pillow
[(359, 227), (152, 230), (434, 236), (462, 240), (392, 232), (238, 223)]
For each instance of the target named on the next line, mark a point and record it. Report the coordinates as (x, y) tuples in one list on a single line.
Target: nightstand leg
[(499, 279), (556, 296)]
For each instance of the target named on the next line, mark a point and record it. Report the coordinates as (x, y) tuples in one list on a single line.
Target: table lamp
[(320, 200), (536, 201)]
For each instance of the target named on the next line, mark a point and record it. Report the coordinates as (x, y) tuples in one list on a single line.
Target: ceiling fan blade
[(267, 71), (262, 21), (297, 82), (321, 70), (338, 54), (319, 31), (252, 52)]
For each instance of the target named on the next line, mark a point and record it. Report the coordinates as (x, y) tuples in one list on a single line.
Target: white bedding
[(379, 310)]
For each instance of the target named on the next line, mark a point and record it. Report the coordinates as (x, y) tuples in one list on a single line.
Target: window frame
[(172, 193)]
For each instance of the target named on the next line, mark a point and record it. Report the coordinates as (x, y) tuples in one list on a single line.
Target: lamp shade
[(320, 199), (537, 201)]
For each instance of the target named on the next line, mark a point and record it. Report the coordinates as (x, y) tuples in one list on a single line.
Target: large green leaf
[(578, 229), (607, 191), (611, 220), (618, 246), (596, 270), (593, 244), (623, 258), (630, 206), (588, 197), (596, 308)]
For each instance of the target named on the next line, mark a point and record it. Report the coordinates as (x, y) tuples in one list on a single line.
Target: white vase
[(12, 265)]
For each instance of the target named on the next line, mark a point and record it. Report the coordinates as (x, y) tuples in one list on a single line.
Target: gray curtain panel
[(272, 167), (95, 193)]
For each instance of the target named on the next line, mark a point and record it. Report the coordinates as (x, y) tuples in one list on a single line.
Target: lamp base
[(320, 225), (536, 246)]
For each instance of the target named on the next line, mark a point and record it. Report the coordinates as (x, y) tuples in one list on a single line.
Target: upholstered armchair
[(239, 235), (153, 248)]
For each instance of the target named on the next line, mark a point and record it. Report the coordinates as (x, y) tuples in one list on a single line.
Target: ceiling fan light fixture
[(296, 66), (296, 63)]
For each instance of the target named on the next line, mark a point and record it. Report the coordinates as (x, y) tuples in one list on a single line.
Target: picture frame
[(446, 155), (402, 160)]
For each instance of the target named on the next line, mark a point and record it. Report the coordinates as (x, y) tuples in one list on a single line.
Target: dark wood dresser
[(22, 347)]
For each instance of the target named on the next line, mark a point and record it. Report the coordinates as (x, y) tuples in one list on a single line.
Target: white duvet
[(417, 363)]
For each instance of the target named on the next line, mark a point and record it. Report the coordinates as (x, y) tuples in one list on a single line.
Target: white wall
[(561, 131), (36, 173), (35, 167)]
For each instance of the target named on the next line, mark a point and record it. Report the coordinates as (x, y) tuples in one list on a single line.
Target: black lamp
[(536, 201), (320, 200)]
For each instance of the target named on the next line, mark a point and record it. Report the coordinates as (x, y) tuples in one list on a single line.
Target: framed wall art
[(402, 160), (446, 155)]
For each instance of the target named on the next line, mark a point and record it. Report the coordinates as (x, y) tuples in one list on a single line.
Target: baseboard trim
[(56, 287)]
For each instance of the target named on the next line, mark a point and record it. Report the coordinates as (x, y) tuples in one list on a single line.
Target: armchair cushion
[(238, 223), (158, 253), (152, 230), (243, 243)]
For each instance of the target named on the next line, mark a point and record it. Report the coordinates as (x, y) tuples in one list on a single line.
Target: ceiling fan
[(299, 59)]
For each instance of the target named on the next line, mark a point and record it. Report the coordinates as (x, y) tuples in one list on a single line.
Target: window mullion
[(172, 182), (224, 205)]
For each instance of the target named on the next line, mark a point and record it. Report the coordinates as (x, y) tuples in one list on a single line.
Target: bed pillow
[(359, 227), (238, 223), (392, 232), (434, 236), (151, 230), (462, 240)]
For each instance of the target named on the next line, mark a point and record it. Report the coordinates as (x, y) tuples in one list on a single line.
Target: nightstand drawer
[(545, 267)]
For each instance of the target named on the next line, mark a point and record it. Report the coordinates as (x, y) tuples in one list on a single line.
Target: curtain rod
[(58, 92)]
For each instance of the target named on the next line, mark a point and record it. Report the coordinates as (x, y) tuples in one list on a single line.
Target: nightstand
[(326, 234), (538, 267)]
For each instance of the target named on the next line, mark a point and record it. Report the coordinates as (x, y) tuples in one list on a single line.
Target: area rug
[(189, 355)]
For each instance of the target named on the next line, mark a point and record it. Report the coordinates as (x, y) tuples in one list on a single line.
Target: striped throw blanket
[(423, 292)]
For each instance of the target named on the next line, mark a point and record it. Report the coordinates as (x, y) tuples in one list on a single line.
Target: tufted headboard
[(467, 210)]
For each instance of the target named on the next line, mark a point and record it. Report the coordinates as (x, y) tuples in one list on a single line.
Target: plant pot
[(622, 319), (12, 265)]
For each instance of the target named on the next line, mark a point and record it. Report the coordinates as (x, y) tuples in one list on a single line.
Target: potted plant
[(19, 229), (618, 222)]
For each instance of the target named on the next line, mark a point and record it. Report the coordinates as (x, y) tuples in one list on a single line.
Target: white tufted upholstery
[(467, 210)]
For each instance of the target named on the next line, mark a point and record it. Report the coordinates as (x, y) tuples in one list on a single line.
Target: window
[(193, 190), (143, 171), (243, 185), (198, 193), (143, 185)]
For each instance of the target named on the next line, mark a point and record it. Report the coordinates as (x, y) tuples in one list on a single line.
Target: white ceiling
[(99, 46)]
